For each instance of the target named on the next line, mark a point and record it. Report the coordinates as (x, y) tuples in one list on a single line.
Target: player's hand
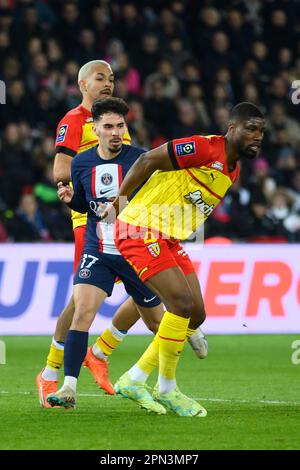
[(65, 192), (107, 212), (112, 210)]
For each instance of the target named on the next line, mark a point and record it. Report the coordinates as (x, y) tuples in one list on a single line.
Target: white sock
[(99, 353), (58, 345), (136, 374), (117, 333), (166, 385), (50, 374), (70, 382)]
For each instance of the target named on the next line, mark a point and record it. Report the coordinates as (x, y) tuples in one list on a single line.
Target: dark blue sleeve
[(78, 202)]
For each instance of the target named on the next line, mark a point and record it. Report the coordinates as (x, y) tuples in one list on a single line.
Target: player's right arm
[(62, 167), (78, 203), (68, 138), (174, 155)]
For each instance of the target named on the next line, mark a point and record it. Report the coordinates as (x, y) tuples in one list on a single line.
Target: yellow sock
[(107, 342), (171, 336), (149, 360), (55, 357), (190, 332)]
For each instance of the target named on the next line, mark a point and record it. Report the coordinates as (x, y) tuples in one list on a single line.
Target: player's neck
[(232, 155), (106, 154), (87, 104)]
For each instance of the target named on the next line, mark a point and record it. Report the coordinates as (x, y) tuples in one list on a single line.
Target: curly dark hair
[(109, 105)]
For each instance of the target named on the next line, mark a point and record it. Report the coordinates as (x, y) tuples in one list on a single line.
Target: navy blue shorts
[(102, 270)]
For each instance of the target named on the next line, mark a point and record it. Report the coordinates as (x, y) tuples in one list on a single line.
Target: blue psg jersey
[(96, 180)]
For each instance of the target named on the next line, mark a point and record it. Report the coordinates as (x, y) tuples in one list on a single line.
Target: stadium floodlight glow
[(2, 352), (2, 92)]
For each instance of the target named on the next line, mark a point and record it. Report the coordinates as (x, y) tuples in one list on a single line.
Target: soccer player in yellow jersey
[(187, 178), (74, 135)]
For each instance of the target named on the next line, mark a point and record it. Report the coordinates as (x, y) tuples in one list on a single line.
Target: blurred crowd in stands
[(181, 65)]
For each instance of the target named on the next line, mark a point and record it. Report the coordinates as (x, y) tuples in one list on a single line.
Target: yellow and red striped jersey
[(175, 203), (75, 135)]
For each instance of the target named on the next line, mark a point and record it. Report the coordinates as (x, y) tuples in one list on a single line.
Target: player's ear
[(232, 128), (82, 86)]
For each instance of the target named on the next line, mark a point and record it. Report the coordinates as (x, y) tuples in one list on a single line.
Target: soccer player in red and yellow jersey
[(74, 135), (169, 207)]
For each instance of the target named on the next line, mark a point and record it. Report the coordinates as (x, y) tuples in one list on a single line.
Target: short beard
[(249, 156), (115, 150)]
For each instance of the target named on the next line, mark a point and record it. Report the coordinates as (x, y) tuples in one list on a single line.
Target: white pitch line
[(220, 400)]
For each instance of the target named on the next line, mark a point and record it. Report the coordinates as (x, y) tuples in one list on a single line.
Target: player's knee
[(182, 304), (153, 325), (83, 317)]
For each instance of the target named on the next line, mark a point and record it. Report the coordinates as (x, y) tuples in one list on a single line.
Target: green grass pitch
[(248, 385)]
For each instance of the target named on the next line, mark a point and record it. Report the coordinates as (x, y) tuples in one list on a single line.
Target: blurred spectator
[(16, 165), (190, 73), (279, 121), (114, 48), (165, 73), (38, 73), (147, 56), (129, 27), (210, 22), (261, 185), (294, 190), (176, 53), (239, 32), (100, 25), (194, 94), (128, 74), (18, 104), (67, 28), (277, 32), (5, 47), (219, 54), (264, 67), (280, 213), (159, 110), (28, 223), (187, 122), (170, 25), (86, 49)]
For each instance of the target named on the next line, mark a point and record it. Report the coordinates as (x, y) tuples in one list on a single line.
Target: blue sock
[(75, 350)]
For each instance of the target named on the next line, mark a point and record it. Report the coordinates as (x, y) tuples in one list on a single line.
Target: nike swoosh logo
[(149, 300), (104, 191)]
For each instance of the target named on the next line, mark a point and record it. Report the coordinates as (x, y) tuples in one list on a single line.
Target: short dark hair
[(244, 111), (109, 105)]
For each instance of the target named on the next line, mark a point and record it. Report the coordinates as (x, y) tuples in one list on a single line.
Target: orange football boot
[(45, 387), (99, 370)]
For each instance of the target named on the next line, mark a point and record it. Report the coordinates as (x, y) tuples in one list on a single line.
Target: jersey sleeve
[(68, 135), (189, 152), (126, 137), (78, 202)]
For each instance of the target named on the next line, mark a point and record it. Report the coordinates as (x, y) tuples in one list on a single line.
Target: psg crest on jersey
[(106, 179), (84, 273)]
